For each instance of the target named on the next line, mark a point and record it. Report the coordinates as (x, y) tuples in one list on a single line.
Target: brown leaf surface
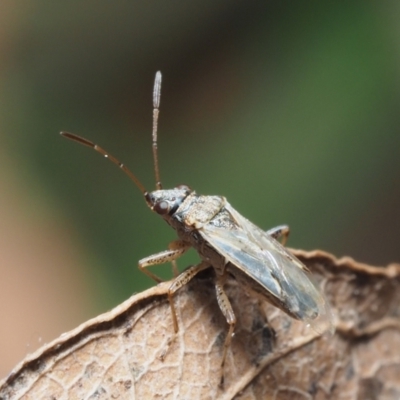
[(117, 355)]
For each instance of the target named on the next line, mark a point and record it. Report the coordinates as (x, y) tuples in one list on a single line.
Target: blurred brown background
[(289, 109)]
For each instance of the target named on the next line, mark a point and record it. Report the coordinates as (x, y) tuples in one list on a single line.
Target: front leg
[(176, 249), (181, 280)]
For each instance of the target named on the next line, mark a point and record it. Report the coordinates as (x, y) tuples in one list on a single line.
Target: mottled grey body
[(227, 242)]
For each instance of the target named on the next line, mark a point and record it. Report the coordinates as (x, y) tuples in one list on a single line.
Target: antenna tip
[(78, 139), (66, 134), (157, 90)]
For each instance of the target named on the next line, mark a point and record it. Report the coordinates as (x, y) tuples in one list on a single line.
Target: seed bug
[(230, 244)]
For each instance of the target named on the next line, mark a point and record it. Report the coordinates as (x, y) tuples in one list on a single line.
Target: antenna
[(156, 112), (132, 176), (94, 146)]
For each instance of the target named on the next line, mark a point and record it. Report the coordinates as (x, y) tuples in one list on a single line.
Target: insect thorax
[(192, 215), (188, 213), (196, 211)]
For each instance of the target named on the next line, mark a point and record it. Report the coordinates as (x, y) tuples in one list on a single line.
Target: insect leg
[(181, 280), (175, 270), (173, 246), (227, 310), (177, 283), (176, 249), (281, 231)]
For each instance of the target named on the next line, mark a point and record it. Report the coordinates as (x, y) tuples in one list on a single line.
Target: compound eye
[(162, 207), (184, 187)]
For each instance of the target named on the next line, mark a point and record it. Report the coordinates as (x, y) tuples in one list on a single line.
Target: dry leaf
[(117, 355)]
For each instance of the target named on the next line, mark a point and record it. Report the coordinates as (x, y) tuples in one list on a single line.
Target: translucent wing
[(267, 262)]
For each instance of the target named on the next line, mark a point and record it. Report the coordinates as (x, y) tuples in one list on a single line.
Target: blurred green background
[(289, 109)]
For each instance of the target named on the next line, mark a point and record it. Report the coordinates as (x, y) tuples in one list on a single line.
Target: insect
[(227, 242)]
